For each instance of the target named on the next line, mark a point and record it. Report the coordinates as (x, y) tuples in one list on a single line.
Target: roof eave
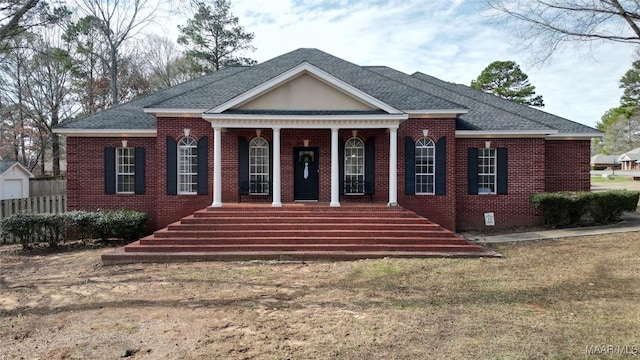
[(471, 134), (107, 132), (164, 112), (575, 136), (304, 117)]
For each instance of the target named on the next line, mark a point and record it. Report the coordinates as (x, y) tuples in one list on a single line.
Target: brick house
[(307, 126)]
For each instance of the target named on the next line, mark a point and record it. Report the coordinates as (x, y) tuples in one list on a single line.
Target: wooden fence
[(47, 187), (39, 205)]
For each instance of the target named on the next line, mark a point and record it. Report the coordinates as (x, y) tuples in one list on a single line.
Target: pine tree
[(506, 80), (214, 38)]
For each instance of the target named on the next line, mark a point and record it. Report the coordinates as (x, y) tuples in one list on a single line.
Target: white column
[(393, 166), (217, 167), (277, 200), (335, 170)]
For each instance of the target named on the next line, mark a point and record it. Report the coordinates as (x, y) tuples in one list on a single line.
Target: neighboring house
[(14, 180), (308, 126), (605, 162), (630, 160)]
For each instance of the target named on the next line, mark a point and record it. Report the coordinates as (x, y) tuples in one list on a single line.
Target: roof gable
[(304, 87), (11, 165)]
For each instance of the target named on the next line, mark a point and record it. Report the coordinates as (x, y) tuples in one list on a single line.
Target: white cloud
[(446, 39)]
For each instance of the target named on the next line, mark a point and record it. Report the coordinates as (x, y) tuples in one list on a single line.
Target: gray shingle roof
[(396, 94), (397, 89), (131, 115), (6, 165), (520, 113)]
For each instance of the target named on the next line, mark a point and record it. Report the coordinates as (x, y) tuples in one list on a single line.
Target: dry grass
[(547, 300)]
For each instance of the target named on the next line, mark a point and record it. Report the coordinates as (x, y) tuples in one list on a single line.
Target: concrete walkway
[(630, 222)]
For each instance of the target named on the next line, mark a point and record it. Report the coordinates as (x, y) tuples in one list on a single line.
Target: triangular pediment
[(305, 88), (306, 92)]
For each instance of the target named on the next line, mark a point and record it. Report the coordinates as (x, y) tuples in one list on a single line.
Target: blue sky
[(448, 39)]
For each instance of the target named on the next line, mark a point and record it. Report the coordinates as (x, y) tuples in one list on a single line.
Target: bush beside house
[(568, 208), (55, 229)]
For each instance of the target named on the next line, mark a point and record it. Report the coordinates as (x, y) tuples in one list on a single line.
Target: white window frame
[(487, 171), (259, 165), (187, 166), (125, 170), (354, 165), (426, 150)]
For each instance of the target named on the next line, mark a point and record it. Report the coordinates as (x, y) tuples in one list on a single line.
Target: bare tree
[(18, 16), (13, 72), (119, 21), (545, 25), (48, 99), (166, 66)]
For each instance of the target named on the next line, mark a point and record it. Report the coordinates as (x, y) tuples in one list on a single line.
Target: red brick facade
[(526, 175), (567, 165), (85, 178), (534, 165)]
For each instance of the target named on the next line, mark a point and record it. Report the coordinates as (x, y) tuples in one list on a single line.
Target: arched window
[(425, 166), (354, 166), (187, 166), (259, 166)]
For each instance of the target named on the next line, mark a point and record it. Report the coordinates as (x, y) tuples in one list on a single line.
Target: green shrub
[(122, 224), (51, 228), (567, 208), (561, 208), (606, 207), (82, 224), (54, 229), (21, 227)]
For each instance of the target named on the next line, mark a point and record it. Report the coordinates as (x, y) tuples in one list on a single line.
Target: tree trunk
[(55, 149), (113, 73)]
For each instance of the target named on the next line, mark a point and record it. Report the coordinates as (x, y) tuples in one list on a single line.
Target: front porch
[(297, 231)]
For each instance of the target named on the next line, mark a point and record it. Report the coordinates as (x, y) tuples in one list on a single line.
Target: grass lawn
[(616, 179), (542, 300)]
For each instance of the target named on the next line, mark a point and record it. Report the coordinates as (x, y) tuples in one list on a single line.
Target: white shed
[(14, 180)]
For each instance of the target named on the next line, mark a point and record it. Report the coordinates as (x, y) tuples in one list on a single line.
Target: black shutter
[(472, 171), (172, 166), (409, 166), (341, 165), (203, 166), (139, 170), (370, 161), (109, 170), (502, 165), (243, 160), (441, 166)]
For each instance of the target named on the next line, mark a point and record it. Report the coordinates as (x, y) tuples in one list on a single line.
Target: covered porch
[(299, 158)]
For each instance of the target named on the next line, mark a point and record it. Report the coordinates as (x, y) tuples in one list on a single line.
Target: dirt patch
[(547, 299)]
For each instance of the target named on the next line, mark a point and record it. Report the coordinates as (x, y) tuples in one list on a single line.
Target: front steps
[(297, 232)]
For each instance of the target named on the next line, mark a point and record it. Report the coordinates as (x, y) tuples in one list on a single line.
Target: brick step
[(305, 213), (302, 220), (304, 207), (151, 240), (297, 232), (302, 247), (320, 233), (119, 256), (223, 226)]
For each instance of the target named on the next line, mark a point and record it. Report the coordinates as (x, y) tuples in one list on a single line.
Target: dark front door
[(305, 173)]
